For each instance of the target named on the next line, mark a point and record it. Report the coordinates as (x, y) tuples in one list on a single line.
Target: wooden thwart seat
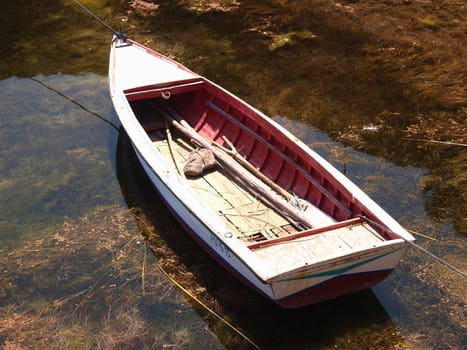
[(165, 90), (301, 234)]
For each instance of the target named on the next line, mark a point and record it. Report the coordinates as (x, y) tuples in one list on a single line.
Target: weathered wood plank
[(242, 212), (307, 233), (309, 249)]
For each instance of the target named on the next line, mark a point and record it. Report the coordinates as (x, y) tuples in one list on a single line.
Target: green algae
[(288, 39)]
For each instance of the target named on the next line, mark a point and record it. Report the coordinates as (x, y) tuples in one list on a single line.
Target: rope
[(143, 268), (82, 7), (69, 99), (418, 247), (171, 148), (422, 235), (449, 143), (208, 308)]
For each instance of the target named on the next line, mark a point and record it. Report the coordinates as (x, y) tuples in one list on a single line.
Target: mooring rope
[(418, 247), (448, 143), (69, 99), (207, 307), (116, 32)]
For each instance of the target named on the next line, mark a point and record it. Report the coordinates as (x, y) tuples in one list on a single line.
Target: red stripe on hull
[(334, 288)]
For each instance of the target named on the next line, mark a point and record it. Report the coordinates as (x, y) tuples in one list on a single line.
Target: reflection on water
[(74, 203), (64, 169)]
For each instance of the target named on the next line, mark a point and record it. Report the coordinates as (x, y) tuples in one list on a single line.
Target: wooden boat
[(272, 211)]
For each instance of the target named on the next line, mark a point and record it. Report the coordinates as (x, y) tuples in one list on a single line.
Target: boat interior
[(224, 121)]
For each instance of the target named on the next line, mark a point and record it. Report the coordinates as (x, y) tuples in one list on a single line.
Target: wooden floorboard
[(244, 214)]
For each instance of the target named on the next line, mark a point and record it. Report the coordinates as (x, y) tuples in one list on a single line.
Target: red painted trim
[(260, 155)]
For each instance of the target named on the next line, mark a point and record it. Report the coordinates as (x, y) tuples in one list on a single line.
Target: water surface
[(76, 208)]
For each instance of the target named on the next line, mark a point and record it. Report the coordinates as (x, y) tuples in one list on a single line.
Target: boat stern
[(320, 281)]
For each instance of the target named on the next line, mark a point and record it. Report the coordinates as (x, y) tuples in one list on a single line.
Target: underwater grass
[(79, 285)]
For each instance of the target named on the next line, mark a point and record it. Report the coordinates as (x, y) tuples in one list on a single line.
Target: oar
[(252, 183), (251, 168)]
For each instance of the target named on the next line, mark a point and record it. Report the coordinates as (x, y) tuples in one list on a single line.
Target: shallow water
[(75, 207)]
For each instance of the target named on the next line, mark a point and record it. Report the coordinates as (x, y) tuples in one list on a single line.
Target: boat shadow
[(359, 318)]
